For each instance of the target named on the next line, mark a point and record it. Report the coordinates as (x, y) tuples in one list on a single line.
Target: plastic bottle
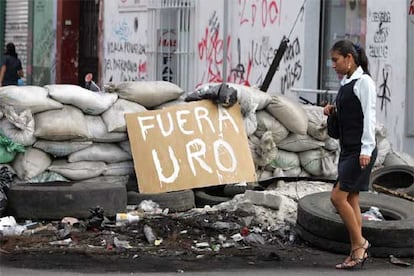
[(149, 234), (126, 217)]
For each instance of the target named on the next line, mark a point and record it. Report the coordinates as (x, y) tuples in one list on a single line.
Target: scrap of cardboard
[(190, 145)]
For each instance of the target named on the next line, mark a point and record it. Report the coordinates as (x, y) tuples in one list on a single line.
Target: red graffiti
[(142, 69), (411, 8), (210, 50), (269, 12)]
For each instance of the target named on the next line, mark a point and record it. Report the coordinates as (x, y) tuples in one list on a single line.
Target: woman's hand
[(364, 160), (328, 109)]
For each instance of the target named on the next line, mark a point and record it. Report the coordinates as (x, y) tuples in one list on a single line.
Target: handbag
[(333, 126)]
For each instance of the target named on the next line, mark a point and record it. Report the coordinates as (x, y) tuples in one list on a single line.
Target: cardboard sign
[(190, 145)]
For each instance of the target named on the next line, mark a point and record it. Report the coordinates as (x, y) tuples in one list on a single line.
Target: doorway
[(88, 39)]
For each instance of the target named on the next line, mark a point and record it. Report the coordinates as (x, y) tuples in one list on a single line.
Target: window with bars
[(171, 41)]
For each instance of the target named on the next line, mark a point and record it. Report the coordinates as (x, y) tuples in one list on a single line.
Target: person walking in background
[(355, 110), (11, 67)]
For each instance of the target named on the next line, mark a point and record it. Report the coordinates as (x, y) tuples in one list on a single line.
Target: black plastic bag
[(221, 94), (333, 126)]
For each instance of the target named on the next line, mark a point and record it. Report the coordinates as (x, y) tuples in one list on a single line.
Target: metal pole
[(225, 32)]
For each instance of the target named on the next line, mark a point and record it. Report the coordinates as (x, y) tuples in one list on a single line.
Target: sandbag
[(120, 168), (331, 144), (31, 163), (61, 148), (383, 147), (78, 170), (252, 96), (285, 160), (265, 149), (311, 161), (394, 158), (114, 117), (109, 153), (98, 131), (316, 122), (89, 102), (126, 146), (289, 113), (298, 143), (64, 124), (148, 93), (33, 98), (19, 127), (266, 122)]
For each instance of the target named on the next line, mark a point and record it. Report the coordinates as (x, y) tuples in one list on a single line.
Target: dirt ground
[(186, 243)]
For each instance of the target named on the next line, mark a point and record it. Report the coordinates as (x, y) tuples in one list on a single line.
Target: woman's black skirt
[(351, 177)]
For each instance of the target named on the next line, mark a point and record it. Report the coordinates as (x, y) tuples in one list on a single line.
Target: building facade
[(191, 42)]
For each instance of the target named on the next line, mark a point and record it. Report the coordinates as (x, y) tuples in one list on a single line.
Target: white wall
[(255, 30), (387, 54), (124, 42)]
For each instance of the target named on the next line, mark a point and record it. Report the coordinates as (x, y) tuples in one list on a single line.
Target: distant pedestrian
[(355, 109), (11, 67)]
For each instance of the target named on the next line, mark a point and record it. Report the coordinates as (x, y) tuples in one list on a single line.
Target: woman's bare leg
[(352, 220)]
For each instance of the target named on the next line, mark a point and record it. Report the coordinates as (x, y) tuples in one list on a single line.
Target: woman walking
[(11, 67), (355, 110)]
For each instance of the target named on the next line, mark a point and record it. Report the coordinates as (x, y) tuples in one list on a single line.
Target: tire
[(230, 190), (343, 248), (177, 201), (210, 196), (55, 200), (317, 216), (392, 177)]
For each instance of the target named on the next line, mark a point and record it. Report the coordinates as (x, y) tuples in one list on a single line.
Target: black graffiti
[(125, 47), (292, 74), (167, 72), (292, 50), (385, 92), (381, 16), (261, 55), (239, 70), (378, 51)]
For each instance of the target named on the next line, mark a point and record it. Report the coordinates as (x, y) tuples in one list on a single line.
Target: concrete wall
[(255, 30), (387, 53), (124, 42)]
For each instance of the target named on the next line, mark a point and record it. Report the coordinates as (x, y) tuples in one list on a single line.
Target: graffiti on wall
[(378, 52), (293, 70), (411, 11), (247, 65), (124, 55)]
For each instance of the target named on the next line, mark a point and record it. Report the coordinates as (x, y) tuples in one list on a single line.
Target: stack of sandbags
[(73, 133), (77, 134)]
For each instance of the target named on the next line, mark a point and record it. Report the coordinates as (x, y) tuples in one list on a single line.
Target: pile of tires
[(319, 224)]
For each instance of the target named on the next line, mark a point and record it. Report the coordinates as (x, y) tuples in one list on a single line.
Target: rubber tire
[(392, 177), (177, 201), (343, 248), (210, 196), (317, 215), (55, 200), (230, 190)]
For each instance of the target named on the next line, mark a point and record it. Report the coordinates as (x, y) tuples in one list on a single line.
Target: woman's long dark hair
[(345, 47), (11, 50)]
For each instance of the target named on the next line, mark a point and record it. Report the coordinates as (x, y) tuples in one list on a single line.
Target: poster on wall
[(186, 146)]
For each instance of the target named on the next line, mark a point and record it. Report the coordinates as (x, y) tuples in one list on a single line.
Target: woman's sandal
[(351, 261)]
